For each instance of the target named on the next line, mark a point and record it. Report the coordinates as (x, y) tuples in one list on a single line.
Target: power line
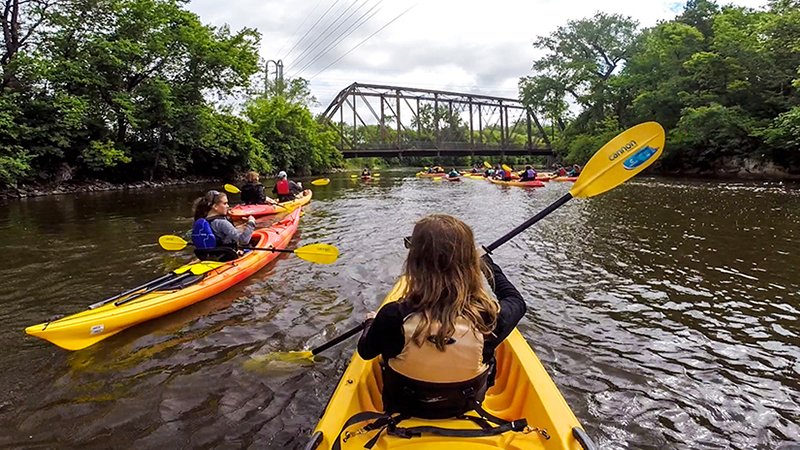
[(322, 36), (365, 40), (342, 36), (309, 30), (298, 27)]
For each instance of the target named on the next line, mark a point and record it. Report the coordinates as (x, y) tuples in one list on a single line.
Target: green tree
[(294, 140)]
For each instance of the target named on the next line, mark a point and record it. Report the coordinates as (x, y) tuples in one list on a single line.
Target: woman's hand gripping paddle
[(616, 162), (316, 253)]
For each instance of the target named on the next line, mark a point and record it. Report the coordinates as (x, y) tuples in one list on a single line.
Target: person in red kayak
[(285, 189), (576, 170), (252, 191), (438, 341)]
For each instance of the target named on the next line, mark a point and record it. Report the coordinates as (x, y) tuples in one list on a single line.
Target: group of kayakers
[(213, 233), (445, 328), (438, 341)]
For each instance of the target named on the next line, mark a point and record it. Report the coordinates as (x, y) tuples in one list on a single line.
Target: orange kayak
[(243, 211), (188, 285)]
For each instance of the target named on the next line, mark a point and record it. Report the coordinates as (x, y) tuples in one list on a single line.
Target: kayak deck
[(93, 325), (523, 389), (242, 211)]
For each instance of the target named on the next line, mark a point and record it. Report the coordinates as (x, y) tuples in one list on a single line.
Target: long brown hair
[(202, 205), (444, 276), (251, 177)]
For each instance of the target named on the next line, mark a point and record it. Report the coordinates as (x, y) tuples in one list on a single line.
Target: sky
[(478, 47)]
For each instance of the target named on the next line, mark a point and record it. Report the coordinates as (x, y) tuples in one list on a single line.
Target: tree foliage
[(721, 80), (128, 89)]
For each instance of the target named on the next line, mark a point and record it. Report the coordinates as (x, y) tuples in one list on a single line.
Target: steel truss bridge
[(385, 121)]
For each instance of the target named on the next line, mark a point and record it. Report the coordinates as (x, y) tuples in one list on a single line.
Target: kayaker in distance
[(252, 191), (528, 174), (576, 170), (453, 173), (446, 326), (213, 234), (285, 189), (561, 171), (365, 173)]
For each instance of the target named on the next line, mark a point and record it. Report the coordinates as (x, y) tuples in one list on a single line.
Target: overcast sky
[(457, 45)]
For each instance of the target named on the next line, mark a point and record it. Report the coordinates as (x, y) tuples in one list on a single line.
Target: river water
[(665, 311)]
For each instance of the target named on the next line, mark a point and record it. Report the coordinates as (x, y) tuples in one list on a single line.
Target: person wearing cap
[(285, 189)]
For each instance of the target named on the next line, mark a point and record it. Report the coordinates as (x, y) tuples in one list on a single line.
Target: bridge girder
[(423, 122)]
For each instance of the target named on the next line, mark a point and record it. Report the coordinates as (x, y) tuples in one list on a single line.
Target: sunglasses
[(407, 241)]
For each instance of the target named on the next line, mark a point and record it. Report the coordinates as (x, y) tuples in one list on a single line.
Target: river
[(666, 312)]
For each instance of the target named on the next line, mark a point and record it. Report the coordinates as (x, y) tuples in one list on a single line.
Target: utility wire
[(358, 23), (309, 30), (322, 36), (298, 27), (365, 40)]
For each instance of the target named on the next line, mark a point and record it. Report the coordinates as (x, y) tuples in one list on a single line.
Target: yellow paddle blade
[(487, 165), (437, 178), (426, 168), (505, 167), (171, 243), (419, 174), (354, 176), (321, 182), (318, 253), (620, 159), (198, 268), (375, 175), (231, 188)]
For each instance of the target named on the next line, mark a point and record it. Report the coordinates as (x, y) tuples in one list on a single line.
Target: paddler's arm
[(228, 233), (512, 307), (383, 334)]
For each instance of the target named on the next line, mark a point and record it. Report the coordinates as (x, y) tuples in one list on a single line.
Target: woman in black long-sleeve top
[(438, 341)]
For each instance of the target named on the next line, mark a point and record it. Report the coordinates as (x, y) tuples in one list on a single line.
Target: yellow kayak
[(203, 279), (522, 389)]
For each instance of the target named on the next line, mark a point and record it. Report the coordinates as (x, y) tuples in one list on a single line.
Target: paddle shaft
[(153, 288), (268, 249), (131, 291), (541, 215), (339, 339)]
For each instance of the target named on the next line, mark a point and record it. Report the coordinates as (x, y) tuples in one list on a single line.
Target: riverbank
[(733, 168), (71, 187)]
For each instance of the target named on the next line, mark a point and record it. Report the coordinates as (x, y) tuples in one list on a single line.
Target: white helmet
[(281, 174)]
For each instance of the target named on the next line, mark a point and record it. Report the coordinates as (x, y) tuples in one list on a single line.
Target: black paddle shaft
[(339, 339), (131, 291), (542, 214)]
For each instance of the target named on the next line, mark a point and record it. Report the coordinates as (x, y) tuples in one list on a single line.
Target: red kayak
[(243, 211)]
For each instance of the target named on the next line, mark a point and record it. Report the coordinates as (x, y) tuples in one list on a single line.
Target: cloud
[(460, 45)]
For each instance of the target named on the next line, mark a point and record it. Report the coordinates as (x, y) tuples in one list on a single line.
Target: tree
[(584, 54)]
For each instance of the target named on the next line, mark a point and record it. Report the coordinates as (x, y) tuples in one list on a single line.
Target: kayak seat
[(221, 254)]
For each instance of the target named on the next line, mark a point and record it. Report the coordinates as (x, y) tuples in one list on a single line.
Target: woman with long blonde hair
[(438, 341)]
